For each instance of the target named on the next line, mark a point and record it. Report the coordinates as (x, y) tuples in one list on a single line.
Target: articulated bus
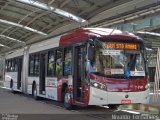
[(89, 66)]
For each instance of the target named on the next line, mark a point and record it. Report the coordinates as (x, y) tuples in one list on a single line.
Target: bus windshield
[(120, 60)]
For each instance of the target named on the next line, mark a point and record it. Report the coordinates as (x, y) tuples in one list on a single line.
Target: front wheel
[(11, 84), (113, 106), (67, 99)]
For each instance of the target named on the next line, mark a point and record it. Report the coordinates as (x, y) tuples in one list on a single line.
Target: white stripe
[(153, 93), (5, 88), (133, 112)]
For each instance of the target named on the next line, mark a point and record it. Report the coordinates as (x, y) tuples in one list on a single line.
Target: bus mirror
[(91, 53)]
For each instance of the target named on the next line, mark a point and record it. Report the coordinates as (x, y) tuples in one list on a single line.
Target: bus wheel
[(11, 86), (67, 98), (113, 106), (35, 92)]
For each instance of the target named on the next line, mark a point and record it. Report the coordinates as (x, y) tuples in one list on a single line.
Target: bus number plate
[(126, 101)]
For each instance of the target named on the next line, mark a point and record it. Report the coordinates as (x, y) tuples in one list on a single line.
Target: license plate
[(126, 101)]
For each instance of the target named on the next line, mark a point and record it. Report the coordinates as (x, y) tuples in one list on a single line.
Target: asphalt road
[(23, 107)]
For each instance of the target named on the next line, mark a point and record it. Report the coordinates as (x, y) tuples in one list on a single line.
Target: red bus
[(89, 66)]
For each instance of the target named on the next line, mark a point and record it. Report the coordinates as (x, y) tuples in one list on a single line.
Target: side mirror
[(91, 53)]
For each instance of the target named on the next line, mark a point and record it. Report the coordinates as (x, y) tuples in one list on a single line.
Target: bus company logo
[(138, 87)]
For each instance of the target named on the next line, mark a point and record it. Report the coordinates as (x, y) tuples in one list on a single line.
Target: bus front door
[(43, 60), (79, 74), (19, 65)]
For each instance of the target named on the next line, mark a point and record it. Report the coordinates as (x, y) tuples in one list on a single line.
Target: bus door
[(43, 60), (19, 66), (79, 73)]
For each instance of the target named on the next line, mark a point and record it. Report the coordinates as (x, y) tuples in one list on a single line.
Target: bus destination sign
[(131, 46)]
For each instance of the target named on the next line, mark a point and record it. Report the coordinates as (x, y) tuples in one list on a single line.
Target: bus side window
[(81, 52), (59, 62), (9, 66), (51, 63), (67, 61), (16, 67), (36, 64), (31, 65), (12, 65), (6, 65)]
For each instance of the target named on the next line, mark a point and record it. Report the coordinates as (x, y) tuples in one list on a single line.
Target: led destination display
[(131, 46)]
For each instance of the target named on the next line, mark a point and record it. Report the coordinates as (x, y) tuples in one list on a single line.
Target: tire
[(67, 97), (35, 92), (113, 106), (11, 86)]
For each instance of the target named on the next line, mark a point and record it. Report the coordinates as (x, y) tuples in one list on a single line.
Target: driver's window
[(139, 63), (59, 62)]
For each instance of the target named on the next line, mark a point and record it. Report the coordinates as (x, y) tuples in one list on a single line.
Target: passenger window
[(67, 62), (9, 65), (37, 65), (80, 57), (34, 65), (6, 65), (59, 63), (16, 67), (51, 64), (31, 65), (12, 66)]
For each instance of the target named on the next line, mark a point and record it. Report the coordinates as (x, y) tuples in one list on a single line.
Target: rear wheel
[(11, 86), (34, 92), (67, 98)]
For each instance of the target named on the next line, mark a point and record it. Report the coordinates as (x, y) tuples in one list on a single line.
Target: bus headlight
[(97, 85), (147, 86)]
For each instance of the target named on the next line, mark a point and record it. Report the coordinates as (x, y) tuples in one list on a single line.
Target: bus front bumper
[(101, 97)]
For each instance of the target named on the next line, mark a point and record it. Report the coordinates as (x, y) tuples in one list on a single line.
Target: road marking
[(105, 106), (153, 93), (5, 88), (133, 112)]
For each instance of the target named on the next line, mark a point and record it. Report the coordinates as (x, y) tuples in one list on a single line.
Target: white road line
[(133, 112), (153, 93), (5, 88)]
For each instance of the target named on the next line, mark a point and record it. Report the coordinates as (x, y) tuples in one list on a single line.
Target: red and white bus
[(89, 66)]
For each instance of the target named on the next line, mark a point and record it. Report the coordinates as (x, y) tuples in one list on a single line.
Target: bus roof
[(83, 34)]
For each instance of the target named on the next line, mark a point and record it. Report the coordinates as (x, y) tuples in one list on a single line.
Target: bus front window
[(119, 63)]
